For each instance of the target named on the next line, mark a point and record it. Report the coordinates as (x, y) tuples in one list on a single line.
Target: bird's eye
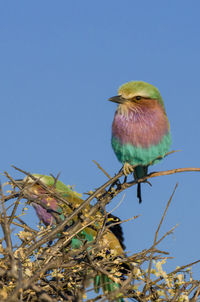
[(138, 98)]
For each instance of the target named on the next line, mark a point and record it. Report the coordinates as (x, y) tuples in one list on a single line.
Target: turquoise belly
[(138, 155)]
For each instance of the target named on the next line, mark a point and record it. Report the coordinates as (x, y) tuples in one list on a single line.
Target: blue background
[(61, 60)]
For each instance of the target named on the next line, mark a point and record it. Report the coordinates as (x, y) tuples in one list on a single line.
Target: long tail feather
[(107, 285), (139, 172), (139, 196)]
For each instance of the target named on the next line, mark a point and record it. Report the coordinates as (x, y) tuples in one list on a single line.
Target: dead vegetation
[(40, 265)]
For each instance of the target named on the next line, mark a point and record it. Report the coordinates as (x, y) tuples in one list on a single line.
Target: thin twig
[(156, 235), (98, 165)]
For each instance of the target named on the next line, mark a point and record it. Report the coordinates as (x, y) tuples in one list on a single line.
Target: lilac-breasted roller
[(111, 239), (140, 129)]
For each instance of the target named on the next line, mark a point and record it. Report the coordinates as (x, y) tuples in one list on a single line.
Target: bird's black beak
[(117, 99)]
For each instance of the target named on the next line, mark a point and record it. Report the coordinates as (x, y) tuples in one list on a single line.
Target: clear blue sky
[(61, 60)]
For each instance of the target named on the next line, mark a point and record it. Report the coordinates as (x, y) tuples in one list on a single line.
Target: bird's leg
[(127, 169)]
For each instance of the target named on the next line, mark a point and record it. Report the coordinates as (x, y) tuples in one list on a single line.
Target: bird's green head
[(137, 90), (50, 181)]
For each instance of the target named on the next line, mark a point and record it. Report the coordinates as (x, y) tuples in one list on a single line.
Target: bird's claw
[(127, 169)]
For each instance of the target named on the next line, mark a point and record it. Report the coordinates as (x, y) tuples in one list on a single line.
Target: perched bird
[(140, 130), (112, 238)]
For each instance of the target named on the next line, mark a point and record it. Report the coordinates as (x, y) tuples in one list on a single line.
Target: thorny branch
[(41, 266)]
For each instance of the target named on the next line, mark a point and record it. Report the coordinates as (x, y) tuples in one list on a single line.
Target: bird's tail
[(139, 172), (107, 285), (101, 281)]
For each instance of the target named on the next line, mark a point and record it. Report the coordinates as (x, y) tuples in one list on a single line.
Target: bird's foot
[(127, 169)]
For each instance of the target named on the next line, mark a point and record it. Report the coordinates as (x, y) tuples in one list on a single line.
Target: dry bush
[(43, 267)]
